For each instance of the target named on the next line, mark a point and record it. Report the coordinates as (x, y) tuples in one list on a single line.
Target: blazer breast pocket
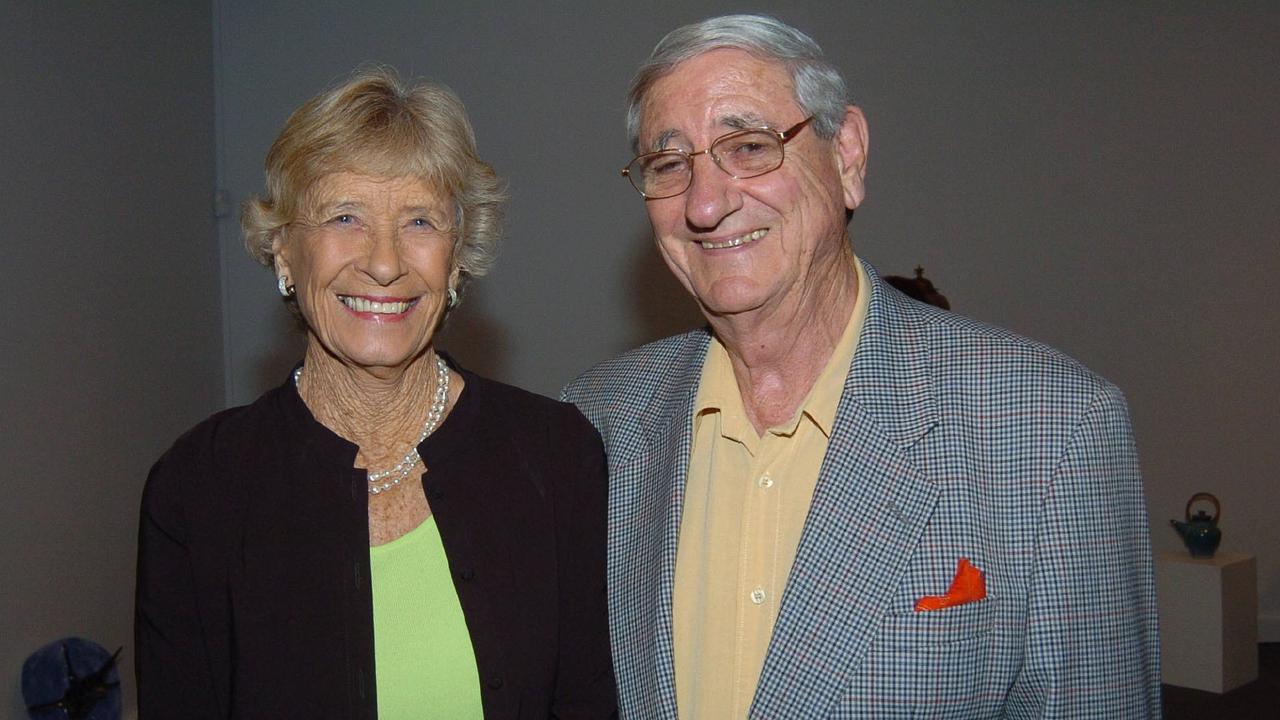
[(947, 626), (928, 664)]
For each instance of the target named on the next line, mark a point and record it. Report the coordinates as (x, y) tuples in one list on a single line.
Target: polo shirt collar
[(718, 389)]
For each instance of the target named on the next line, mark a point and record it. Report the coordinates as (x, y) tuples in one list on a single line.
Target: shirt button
[(467, 574), (495, 682), (765, 481), (758, 595)]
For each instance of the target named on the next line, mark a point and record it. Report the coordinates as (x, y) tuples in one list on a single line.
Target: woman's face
[(371, 262)]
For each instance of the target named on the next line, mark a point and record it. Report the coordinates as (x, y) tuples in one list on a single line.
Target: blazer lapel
[(869, 510), (646, 501)]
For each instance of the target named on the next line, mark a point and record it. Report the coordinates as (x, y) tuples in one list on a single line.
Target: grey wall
[(1100, 176), (110, 341)]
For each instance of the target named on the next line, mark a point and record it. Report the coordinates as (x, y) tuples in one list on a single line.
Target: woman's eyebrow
[(339, 204)]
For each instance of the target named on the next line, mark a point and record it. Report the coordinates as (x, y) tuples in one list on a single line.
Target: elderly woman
[(385, 534)]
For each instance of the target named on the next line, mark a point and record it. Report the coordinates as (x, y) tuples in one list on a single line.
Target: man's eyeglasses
[(742, 154)]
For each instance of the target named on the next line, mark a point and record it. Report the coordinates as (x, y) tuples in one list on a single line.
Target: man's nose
[(712, 193)]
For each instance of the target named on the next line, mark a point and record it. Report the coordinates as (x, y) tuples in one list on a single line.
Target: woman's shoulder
[(517, 405), (226, 443), (558, 449), (230, 428)]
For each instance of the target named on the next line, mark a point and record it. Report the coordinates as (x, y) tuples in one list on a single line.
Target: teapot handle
[(1217, 508)]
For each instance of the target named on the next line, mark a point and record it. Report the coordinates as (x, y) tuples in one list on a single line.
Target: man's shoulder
[(639, 379), (965, 351), (635, 372)]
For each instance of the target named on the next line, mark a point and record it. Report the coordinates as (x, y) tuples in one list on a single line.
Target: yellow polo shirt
[(746, 499)]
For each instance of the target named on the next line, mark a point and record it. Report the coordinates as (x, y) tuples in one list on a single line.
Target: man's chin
[(729, 308)]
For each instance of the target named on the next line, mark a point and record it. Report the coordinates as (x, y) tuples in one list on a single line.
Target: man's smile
[(735, 241)]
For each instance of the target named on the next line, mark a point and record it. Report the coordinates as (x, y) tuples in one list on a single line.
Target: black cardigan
[(253, 597)]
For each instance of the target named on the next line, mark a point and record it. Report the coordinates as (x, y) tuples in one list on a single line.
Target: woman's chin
[(377, 359)]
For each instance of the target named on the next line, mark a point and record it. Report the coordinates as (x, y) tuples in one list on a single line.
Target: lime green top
[(425, 666)]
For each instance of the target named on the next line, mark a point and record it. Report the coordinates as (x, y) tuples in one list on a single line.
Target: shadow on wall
[(271, 366), (660, 306), (476, 340)]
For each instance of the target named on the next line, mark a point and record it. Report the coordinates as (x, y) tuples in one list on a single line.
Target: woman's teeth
[(360, 304), (740, 240)]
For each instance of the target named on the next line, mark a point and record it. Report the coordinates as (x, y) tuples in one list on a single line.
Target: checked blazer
[(952, 439)]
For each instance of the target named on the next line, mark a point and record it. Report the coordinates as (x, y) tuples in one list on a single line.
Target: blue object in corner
[(71, 679)]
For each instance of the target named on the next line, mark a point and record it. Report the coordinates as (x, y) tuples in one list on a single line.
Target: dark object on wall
[(920, 287), (1200, 533), (71, 679)]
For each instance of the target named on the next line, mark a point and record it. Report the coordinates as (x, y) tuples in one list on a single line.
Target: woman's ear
[(279, 254)]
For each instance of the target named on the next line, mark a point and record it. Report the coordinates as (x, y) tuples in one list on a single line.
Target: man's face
[(757, 244)]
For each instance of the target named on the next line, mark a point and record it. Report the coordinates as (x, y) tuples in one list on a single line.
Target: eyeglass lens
[(742, 155)]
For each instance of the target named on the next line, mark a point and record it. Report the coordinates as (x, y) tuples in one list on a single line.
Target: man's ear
[(851, 151)]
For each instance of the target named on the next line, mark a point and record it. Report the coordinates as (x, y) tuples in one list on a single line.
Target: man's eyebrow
[(743, 121), (661, 142), (737, 121)]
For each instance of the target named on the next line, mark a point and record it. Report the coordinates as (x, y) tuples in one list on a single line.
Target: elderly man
[(836, 501)]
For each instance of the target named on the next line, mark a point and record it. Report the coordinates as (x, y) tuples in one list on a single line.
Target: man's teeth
[(735, 242), (360, 304)]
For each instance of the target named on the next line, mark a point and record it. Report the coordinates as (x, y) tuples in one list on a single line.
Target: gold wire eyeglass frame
[(782, 138)]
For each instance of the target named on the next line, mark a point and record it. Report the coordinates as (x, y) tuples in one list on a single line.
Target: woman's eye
[(343, 219), (422, 222)]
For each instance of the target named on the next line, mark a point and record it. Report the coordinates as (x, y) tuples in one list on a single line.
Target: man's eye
[(748, 148), (666, 166)]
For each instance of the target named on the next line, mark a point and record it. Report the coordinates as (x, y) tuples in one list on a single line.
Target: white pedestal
[(1208, 620)]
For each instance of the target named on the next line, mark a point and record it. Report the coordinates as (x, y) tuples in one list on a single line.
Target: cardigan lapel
[(869, 509)]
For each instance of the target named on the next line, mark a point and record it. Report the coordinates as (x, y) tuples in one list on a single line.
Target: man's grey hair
[(819, 89)]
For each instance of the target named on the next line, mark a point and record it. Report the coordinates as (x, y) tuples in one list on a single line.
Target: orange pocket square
[(967, 586)]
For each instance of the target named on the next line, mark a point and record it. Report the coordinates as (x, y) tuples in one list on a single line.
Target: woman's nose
[(384, 263)]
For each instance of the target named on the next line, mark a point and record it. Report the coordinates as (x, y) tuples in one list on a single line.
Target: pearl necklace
[(411, 458)]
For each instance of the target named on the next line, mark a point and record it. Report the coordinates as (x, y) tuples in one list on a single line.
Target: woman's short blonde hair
[(374, 124)]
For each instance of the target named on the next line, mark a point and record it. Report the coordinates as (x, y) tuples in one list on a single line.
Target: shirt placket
[(757, 574)]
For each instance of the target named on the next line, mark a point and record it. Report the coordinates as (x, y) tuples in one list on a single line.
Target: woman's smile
[(378, 308)]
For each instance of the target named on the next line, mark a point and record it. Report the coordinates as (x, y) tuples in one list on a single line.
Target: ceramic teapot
[(1200, 532)]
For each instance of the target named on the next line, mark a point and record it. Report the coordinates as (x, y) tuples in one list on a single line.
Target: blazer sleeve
[(172, 668), (584, 678), (1092, 648)]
